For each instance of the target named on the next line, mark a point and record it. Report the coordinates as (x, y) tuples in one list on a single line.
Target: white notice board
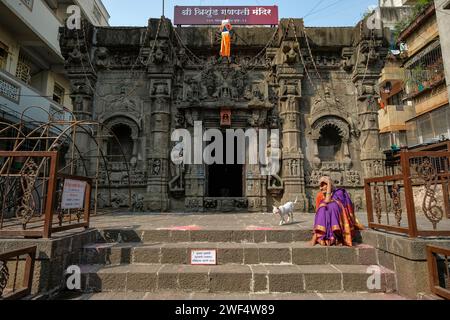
[(73, 194), (203, 257)]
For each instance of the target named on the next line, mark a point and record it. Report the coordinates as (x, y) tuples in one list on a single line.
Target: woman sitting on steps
[(335, 221)]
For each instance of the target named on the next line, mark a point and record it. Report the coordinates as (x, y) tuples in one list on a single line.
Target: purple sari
[(336, 222)]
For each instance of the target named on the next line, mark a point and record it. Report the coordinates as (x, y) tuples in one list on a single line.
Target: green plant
[(418, 8), (367, 13)]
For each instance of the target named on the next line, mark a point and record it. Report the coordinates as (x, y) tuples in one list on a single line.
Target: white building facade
[(31, 65)]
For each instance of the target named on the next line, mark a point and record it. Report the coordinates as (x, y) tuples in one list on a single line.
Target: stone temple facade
[(316, 85)]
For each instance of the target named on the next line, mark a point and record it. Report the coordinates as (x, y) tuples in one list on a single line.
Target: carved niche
[(217, 83), (339, 170)]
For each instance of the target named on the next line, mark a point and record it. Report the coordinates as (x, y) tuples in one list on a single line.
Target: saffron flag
[(225, 46)]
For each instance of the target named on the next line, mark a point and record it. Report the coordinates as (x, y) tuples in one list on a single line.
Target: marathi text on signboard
[(73, 194), (203, 257), (238, 15)]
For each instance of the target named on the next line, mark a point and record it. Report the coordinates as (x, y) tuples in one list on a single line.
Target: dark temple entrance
[(226, 180)]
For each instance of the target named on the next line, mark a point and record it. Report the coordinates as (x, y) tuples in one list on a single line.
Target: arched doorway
[(125, 145), (330, 144), (331, 138)]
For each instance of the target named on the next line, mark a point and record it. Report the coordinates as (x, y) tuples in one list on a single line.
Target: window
[(23, 71), (429, 127), (385, 141), (58, 94), (3, 55), (396, 99), (411, 133), (440, 122), (425, 128)]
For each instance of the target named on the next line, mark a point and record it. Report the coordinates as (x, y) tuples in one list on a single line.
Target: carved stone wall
[(157, 79)]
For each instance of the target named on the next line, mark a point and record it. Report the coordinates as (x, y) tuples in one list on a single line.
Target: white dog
[(286, 212)]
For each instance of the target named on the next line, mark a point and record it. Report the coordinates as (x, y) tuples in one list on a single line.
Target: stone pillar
[(372, 159), (195, 176), (157, 198), (76, 48), (292, 159), (371, 54), (289, 71), (347, 156), (317, 163), (256, 189)]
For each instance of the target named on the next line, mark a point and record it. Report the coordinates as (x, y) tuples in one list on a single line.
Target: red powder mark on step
[(259, 228), (182, 228)]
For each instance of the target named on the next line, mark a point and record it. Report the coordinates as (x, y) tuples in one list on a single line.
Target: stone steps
[(233, 278), (296, 253), (260, 262), (130, 235)]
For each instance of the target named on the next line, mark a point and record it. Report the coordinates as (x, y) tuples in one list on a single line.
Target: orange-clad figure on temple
[(225, 46)]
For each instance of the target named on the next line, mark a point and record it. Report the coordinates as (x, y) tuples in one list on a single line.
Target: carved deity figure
[(192, 90), (123, 102)]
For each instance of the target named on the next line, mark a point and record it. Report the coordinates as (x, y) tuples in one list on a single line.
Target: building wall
[(95, 10), (327, 119), (33, 28), (443, 18), (426, 33), (42, 81), (40, 19)]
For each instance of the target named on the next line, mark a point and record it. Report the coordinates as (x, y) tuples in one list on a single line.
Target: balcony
[(16, 97), (423, 30), (432, 100), (392, 74), (393, 118), (425, 71), (34, 26)]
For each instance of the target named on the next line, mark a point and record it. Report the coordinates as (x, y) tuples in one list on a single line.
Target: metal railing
[(420, 189), (32, 196), (439, 270), (13, 283)]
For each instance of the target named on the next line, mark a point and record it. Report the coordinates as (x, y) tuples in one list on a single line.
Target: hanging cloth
[(225, 46)]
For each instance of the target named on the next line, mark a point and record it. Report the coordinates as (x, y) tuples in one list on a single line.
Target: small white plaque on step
[(203, 257)]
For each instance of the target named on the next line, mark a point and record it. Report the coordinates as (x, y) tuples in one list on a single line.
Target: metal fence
[(439, 270), (35, 200), (415, 200), (16, 273)]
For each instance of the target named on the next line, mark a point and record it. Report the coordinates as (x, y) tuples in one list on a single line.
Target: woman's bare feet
[(313, 241)]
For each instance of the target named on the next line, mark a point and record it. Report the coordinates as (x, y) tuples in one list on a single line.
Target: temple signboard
[(238, 15)]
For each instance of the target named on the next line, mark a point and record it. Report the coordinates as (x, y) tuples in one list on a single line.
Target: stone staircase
[(249, 262)]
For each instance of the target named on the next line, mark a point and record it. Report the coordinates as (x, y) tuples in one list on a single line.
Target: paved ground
[(243, 221), (233, 297), (235, 221)]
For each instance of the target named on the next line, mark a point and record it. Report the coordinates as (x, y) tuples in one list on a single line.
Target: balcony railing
[(420, 189), (17, 100), (419, 80)]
